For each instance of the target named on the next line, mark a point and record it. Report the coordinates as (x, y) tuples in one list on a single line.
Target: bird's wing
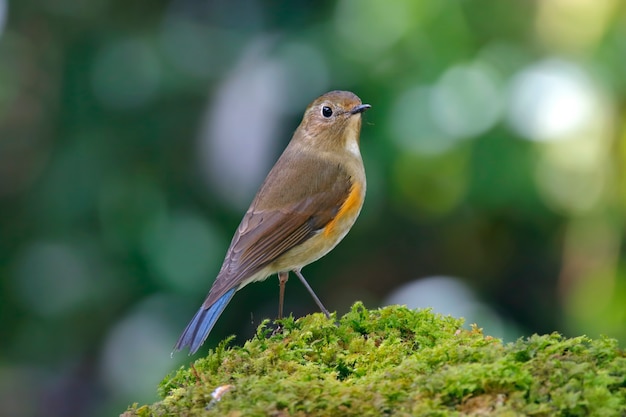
[(277, 220)]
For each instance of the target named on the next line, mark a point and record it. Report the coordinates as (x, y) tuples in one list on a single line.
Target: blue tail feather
[(201, 324)]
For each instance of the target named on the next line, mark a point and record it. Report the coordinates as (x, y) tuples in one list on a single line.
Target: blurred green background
[(133, 135)]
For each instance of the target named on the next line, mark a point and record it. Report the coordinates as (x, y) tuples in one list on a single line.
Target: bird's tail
[(201, 324)]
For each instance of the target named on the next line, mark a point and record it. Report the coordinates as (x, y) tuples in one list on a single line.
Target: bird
[(306, 205)]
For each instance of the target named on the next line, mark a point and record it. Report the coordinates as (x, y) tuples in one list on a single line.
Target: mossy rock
[(396, 361)]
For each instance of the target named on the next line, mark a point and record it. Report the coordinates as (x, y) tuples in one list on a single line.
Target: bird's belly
[(325, 239), (307, 252)]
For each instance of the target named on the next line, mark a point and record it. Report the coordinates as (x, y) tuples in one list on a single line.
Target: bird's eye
[(327, 111)]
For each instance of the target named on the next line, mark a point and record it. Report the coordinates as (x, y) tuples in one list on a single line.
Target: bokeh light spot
[(368, 27), (306, 75), (451, 296), (573, 25), (467, 101), (184, 251), (235, 156), (430, 185), (193, 48), (126, 74), (3, 15), (136, 352), (412, 124), (53, 278), (551, 100), (570, 188), (127, 205)]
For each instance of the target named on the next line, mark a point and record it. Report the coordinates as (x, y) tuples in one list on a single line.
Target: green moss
[(396, 361)]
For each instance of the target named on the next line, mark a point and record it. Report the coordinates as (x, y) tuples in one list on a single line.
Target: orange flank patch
[(348, 209)]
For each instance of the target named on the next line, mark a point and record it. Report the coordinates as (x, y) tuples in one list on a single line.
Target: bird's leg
[(282, 280), (308, 287)]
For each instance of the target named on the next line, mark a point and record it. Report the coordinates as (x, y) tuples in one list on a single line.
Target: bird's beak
[(360, 108)]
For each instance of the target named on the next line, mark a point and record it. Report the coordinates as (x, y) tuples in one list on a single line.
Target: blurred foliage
[(134, 134)]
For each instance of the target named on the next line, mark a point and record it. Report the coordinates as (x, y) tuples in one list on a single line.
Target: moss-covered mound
[(396, 361)]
